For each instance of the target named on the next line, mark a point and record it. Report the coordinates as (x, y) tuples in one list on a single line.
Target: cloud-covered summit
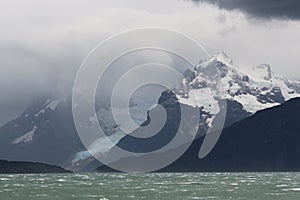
[(285, 9)]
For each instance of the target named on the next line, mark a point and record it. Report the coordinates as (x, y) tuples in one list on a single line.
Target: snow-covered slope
[(44, 132), (218, 78)]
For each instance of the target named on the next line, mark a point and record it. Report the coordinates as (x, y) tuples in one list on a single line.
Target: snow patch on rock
[(28, 137), (53, 104), (42, 111)]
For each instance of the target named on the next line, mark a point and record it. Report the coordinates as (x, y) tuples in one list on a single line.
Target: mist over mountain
[(45, 131), (43, 44)]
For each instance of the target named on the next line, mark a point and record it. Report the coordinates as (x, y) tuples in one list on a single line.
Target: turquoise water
[(151, 186)]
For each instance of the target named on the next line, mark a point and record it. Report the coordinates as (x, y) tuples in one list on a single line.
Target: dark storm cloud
[(285, 9)]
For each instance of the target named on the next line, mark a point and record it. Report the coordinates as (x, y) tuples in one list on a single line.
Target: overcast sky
[(42, 43)]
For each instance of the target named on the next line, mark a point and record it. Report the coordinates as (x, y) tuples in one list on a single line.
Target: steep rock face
[(266, 141), (170, 103)]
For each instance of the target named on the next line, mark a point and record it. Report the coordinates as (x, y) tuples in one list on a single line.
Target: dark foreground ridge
[(268, 141), (16, 167)]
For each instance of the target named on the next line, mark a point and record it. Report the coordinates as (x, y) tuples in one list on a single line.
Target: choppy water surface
[(151, 186)]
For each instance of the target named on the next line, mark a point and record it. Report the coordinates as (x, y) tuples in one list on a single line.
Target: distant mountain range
[(13, 167), (45, 131)]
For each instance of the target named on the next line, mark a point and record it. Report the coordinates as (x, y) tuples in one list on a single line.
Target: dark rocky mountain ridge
[(266, 141), (18, 167)]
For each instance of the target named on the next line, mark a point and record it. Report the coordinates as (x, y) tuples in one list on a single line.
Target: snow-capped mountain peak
[(217, 77), (222, 57)]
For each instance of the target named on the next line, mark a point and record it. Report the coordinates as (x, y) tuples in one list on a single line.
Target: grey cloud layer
[(44, 42), (261, 8)]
